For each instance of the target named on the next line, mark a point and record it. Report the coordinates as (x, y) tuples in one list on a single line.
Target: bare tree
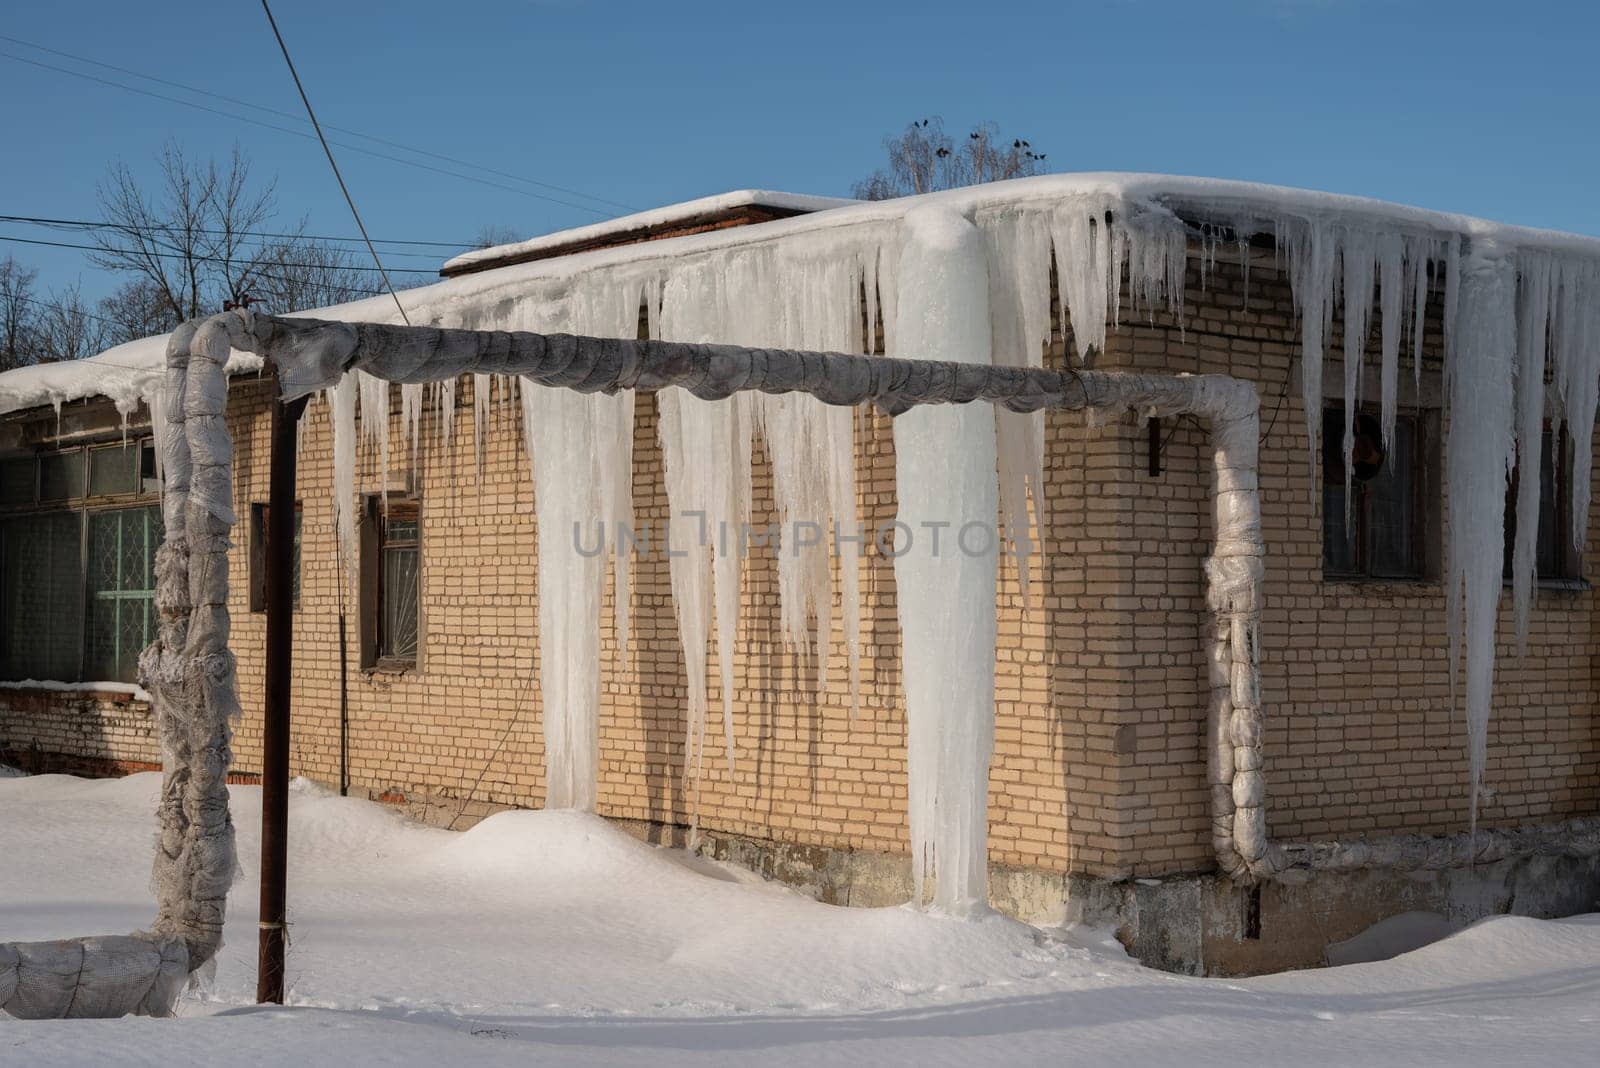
[(924, 158), (200, 242), (18, 314), (136, 309), (492, 234), (312, 274), (67, 329)]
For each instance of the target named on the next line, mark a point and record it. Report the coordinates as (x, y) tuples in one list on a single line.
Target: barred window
[(122, 590), (391, 583), (78, 533), (42, 605)]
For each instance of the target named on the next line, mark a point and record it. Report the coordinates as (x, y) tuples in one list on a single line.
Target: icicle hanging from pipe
[(1018, 248), (342, 418)]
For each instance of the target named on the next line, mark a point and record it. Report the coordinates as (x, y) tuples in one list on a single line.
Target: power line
[(91, 224), (201, 259), (155, 232), (348, 199), (301, 133), (296, 118), (256, 270)]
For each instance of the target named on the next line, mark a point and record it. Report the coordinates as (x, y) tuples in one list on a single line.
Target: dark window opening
[(391, 583), (1555, 557), (78, 535), (1382, 530), (259, 514)]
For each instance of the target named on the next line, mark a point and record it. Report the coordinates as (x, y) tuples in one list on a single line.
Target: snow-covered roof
[(628, 228), (128, 372)]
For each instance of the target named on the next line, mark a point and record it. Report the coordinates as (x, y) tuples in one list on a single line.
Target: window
[(122, 590), (1387, 529), (42, 604), (391, 578), (78, 534), (258, 557), (1554, 555)]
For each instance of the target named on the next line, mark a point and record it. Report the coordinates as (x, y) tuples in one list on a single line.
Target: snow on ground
[(552, 937)]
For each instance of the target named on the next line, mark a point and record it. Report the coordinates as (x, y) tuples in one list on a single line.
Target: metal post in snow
[(275, 735)]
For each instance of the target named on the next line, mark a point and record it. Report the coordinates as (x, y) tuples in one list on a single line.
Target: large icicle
[(374, 394), (559, 433), (706, 446), (945, 479), (1018, 248), (1533, 314), (342, 416), (1478, 461), (579, 448)]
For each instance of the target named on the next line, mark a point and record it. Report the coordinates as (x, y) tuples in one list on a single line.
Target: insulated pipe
[(313, 355), (189, 673), (190, 670)]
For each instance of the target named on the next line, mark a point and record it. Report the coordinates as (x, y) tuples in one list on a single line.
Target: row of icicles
[(1512, 317)]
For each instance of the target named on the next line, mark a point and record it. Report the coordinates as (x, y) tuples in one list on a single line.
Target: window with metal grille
[(41, 604), (77, 564), (391, 583), (122, 588)]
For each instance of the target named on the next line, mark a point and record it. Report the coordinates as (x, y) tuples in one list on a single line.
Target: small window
[(122, 590), (41, 596), (391, 581), (1555, 557), (1383, 530), (61, 475), (258, 557), (17, 477), (114, 469)]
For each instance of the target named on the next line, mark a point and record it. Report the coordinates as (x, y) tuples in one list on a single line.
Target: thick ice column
[(945, 578), (559, 429), (1478, 458)]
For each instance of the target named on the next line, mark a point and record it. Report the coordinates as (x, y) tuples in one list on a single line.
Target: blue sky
[(1484, 108)]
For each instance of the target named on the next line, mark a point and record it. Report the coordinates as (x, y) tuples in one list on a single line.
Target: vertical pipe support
[(275, 736)]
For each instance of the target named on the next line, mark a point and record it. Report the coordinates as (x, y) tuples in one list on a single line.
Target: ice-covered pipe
[(188, 670), (313, 355)]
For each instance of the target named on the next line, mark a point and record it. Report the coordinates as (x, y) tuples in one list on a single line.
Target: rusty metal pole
[(275, 734)]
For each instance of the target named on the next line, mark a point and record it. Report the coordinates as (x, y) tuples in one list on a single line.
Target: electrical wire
[(348, 199), (197, 259), (91, 224), (260, 239), (301, 133), (340, 129)]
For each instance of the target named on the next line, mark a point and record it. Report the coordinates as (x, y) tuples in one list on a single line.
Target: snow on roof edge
[(132, 371), (643, 220)]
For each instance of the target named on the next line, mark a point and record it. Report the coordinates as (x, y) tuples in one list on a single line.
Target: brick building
[(1099, 801)]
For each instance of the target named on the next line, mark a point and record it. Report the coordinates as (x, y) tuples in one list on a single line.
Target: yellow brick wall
[(1100, 710)]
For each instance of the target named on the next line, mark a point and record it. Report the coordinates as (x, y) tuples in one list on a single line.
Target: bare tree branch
[(924, 159)]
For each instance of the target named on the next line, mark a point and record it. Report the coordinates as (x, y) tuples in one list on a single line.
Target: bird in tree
[(923, 159)]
